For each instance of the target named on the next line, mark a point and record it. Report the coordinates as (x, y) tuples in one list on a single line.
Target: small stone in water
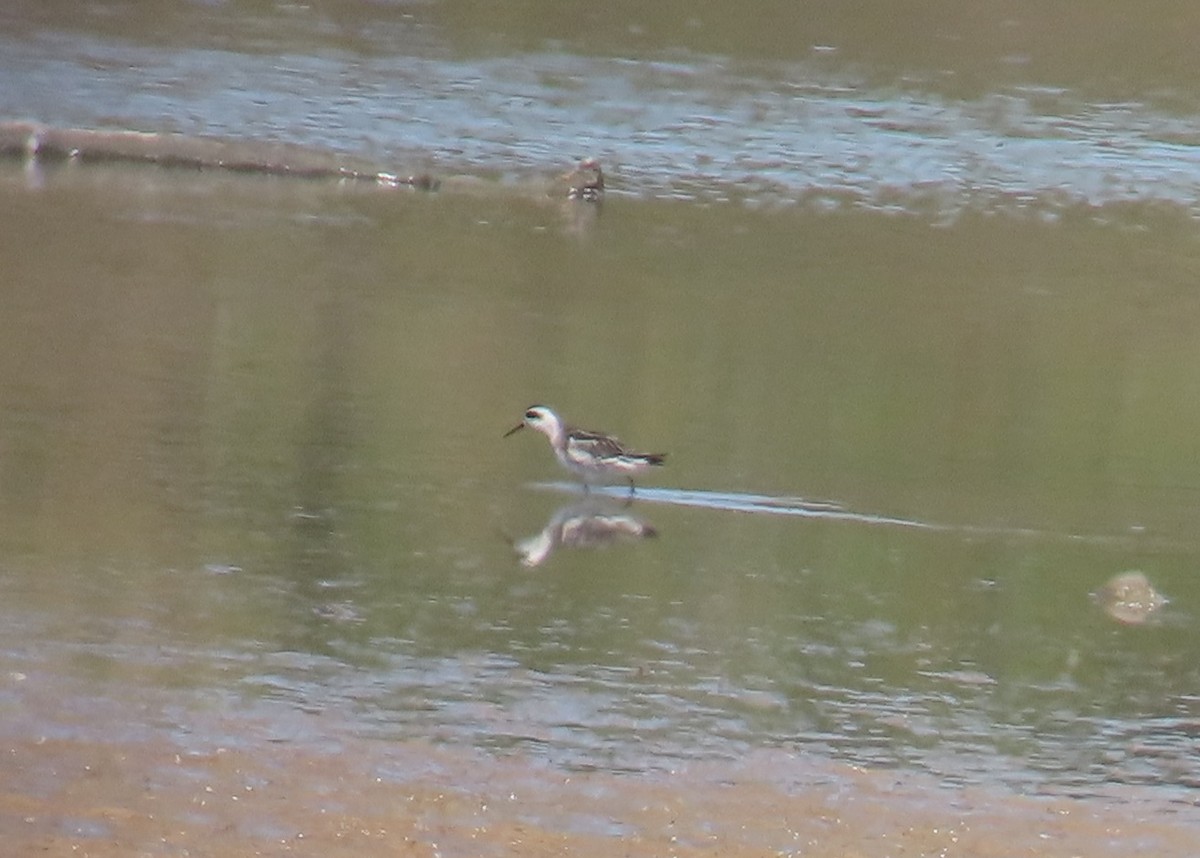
[(1129, 598)]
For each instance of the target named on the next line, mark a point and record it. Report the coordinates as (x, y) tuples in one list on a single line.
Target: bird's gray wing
[(583, 447)]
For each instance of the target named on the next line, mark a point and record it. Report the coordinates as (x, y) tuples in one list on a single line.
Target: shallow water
[(252, 444), (922, 357)]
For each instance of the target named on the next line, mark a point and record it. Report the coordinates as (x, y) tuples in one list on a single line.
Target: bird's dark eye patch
[(531, 415)]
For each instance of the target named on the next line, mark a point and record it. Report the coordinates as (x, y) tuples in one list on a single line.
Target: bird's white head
[(542, 419)]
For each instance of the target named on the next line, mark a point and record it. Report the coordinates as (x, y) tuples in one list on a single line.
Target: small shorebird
[(589, 455), (586, 181)]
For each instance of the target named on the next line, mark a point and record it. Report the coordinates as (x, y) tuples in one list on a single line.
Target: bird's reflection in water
[(591, 523), (579, 218)]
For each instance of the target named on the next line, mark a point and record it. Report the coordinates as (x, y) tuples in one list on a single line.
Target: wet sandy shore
[(269, 795)]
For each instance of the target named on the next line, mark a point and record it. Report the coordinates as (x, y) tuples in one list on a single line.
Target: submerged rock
[(1129, 598)]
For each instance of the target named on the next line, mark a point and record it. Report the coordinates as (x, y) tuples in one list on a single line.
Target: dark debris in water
[(47, 144)]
